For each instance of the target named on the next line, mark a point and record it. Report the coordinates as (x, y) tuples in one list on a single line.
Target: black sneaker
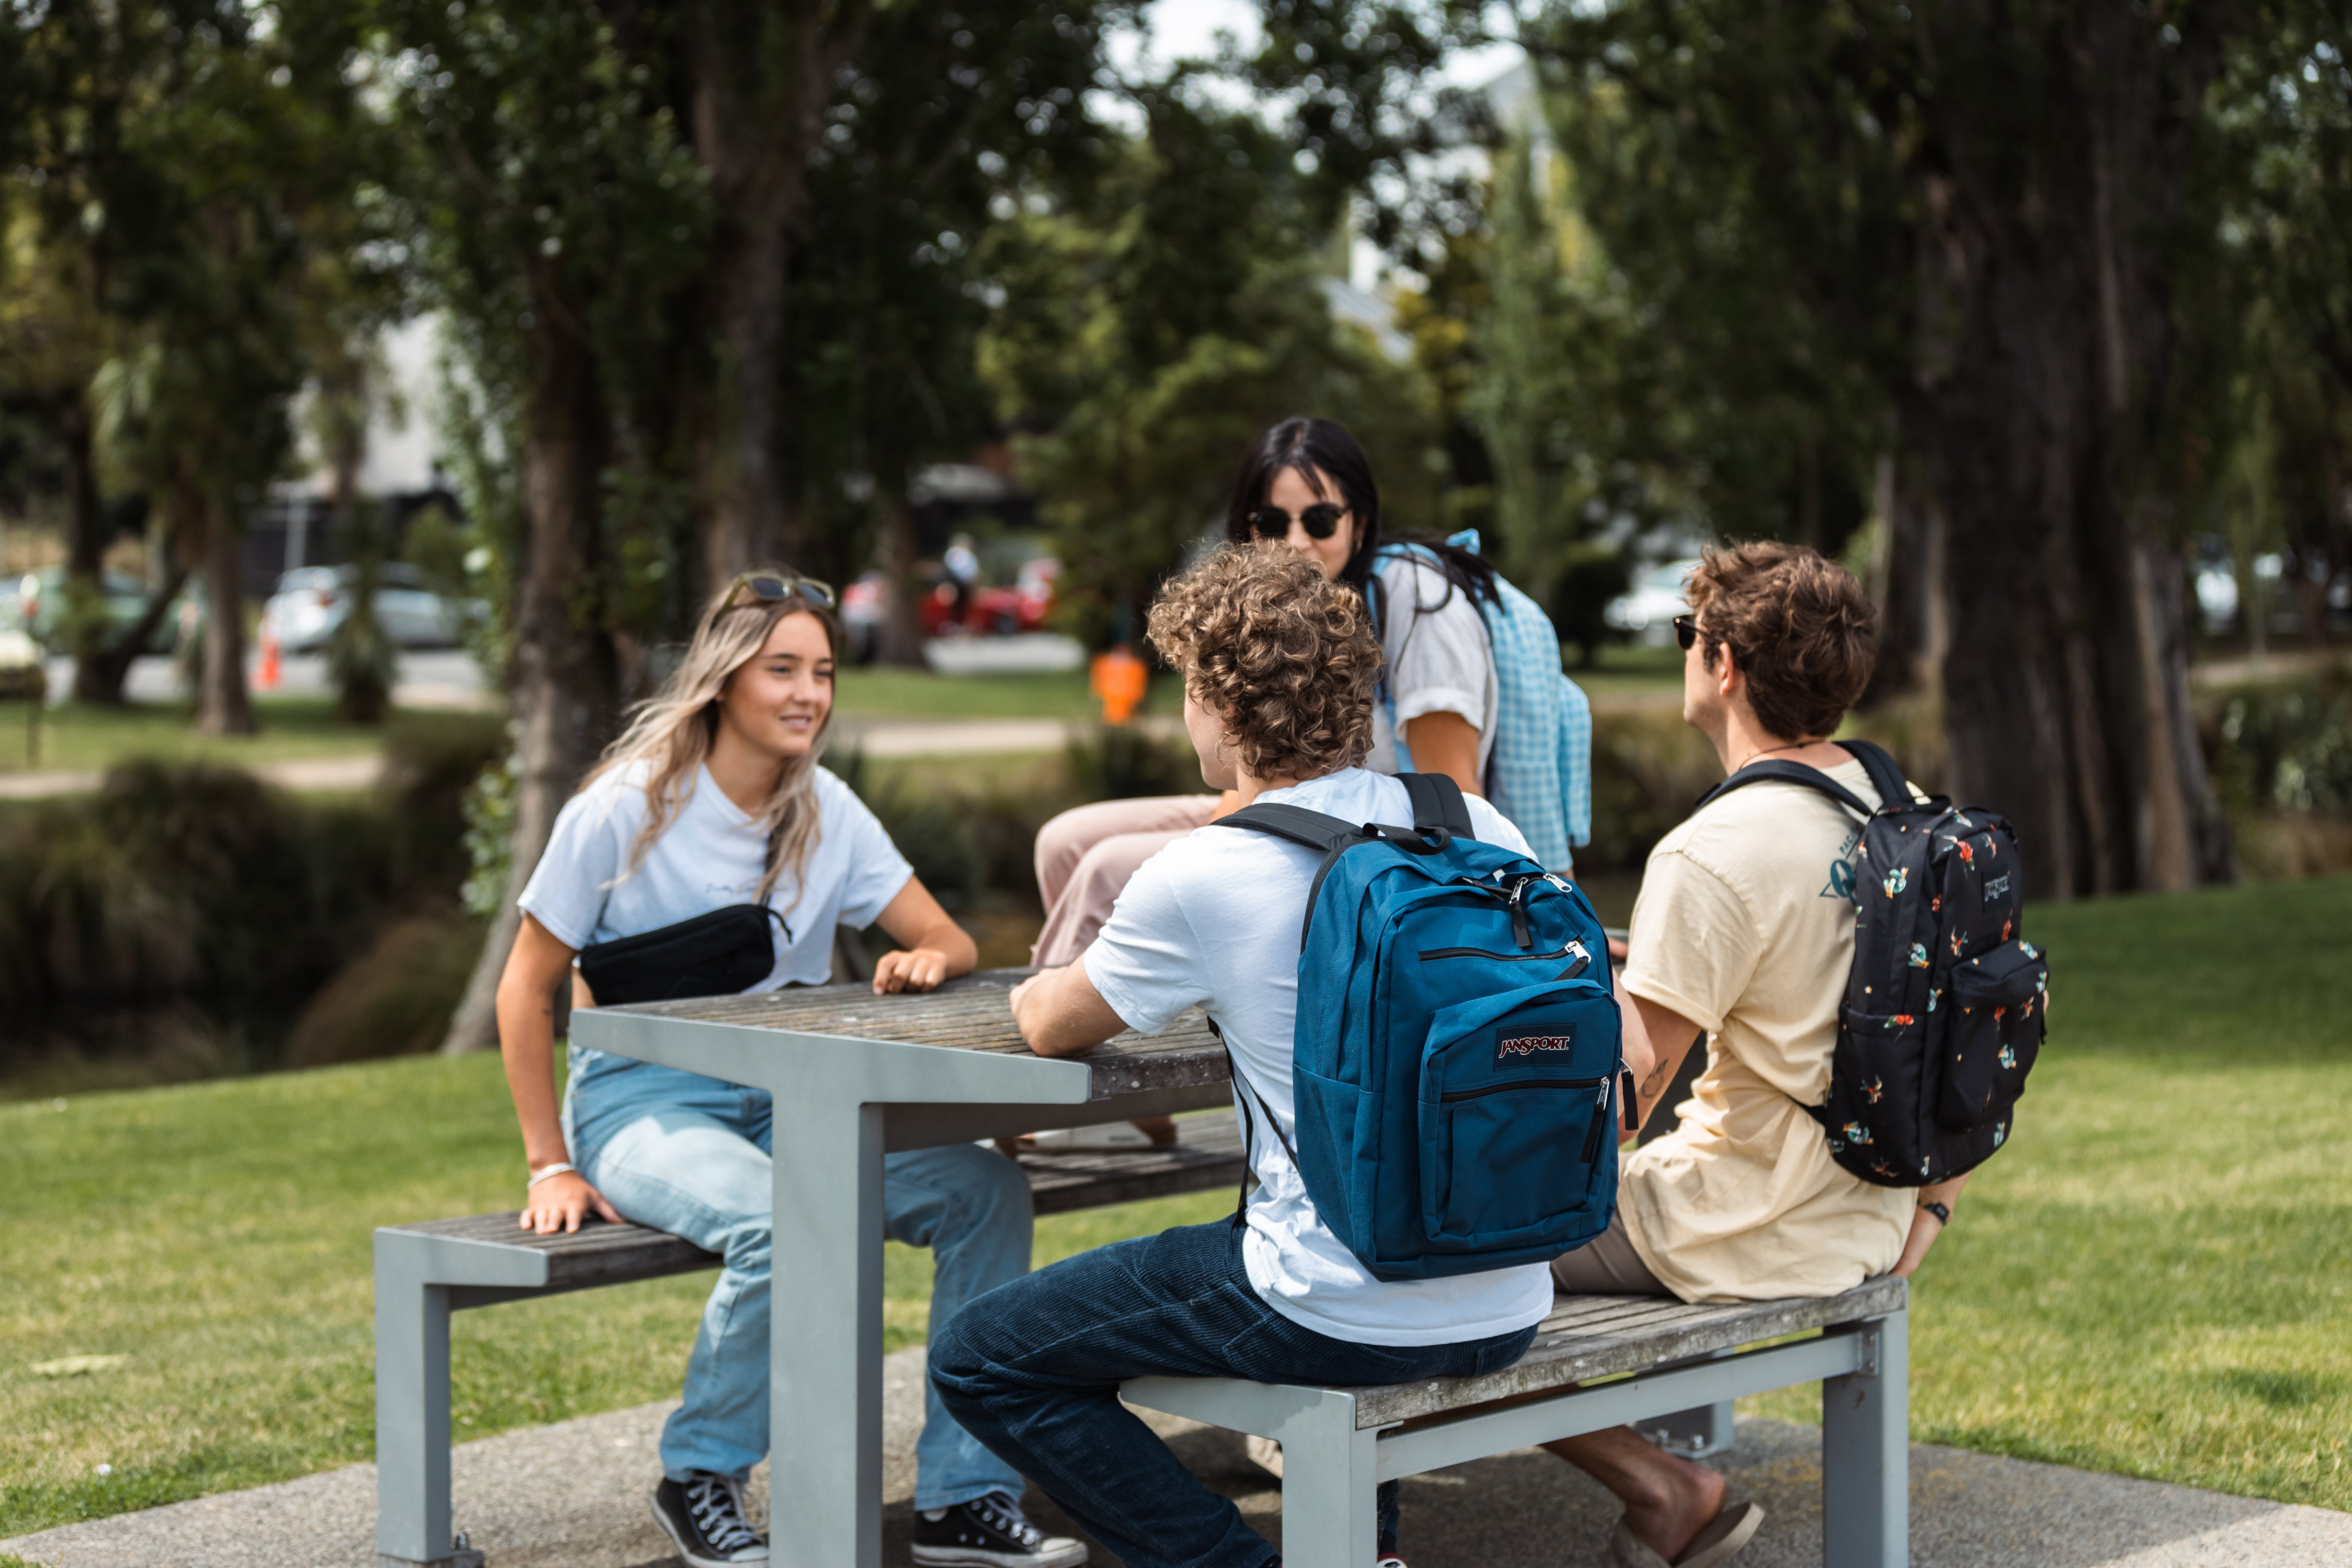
[(990, 1533), (704, 1516)]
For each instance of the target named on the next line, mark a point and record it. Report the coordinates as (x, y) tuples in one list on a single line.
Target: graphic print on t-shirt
[(1840, 882)]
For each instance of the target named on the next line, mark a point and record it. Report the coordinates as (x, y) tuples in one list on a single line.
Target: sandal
[(1717, 1543)]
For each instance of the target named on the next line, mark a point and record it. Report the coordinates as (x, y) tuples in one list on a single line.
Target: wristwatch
[(1943, 1214)]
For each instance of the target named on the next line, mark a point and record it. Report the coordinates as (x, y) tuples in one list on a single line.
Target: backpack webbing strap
[(1779, 770), (1437, 803), (1244, 1098), (1885, 777), (1295, 825)]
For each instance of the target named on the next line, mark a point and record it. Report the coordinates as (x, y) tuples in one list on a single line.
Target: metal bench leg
[(1330, 1473), (412, 1421), (1866, 1454)]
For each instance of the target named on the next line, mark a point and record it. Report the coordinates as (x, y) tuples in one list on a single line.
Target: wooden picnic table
[(855, 1076)]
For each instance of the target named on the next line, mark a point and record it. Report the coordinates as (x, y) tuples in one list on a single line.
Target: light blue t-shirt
[(711, 854)]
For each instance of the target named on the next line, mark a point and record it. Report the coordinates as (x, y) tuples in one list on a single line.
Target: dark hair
[(1313, 448), (1801, 628)]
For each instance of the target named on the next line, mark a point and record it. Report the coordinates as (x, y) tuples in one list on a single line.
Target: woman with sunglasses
[(1308, 486), (712, 797)]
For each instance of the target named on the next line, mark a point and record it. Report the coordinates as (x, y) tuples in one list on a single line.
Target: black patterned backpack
[(1945, 1004)]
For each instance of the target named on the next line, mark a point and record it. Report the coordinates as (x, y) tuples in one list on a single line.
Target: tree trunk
[(224, 705), (98, 673), (564, 678), (1907, 579), (761, 77), (2046, 366)]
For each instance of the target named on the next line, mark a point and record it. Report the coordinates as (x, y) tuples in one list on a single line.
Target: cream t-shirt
[(1745, 926)]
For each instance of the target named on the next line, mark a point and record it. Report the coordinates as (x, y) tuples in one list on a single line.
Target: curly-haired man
[(1279, 667)]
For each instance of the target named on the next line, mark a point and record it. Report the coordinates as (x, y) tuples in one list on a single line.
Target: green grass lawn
[(2155, 1277), (90, 738)]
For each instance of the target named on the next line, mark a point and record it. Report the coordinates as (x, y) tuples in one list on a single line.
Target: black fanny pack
[(719, 953)]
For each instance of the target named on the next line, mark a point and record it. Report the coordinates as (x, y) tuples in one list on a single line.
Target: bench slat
[(1206, 1155), (1598, 1340)]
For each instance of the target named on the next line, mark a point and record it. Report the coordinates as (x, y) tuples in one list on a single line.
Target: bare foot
[(1668, 1500), (1666, 1526)]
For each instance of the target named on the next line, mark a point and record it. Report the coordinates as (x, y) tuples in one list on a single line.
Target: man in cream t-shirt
[(1744, 929)]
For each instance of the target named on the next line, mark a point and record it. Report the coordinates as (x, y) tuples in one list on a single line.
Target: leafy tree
[(559, 213), (1149, 332), (1982, 243)]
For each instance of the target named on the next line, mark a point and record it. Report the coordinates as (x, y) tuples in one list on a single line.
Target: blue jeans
[(689, 1154), (1033, 1370)]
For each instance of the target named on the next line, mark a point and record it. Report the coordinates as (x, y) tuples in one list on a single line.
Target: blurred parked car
[(311, 603), (41, 607), (1001, 612), (22, 672), (1649, 611)]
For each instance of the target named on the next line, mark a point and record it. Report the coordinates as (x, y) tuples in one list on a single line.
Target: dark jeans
[(1033, 1368)]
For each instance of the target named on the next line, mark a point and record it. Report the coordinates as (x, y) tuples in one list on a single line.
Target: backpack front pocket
[(1515, 1107), (1998, 1004)]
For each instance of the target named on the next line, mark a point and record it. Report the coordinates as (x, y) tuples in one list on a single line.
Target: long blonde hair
[(673, 730)]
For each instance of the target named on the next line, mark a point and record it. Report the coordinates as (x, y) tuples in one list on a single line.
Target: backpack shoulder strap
[(1885, 777), (1778, 771), (1437, 803), (1294, 824)]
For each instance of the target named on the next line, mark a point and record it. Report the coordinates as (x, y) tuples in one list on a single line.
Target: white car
[(311, 603), (22, 672), (1648, 612)]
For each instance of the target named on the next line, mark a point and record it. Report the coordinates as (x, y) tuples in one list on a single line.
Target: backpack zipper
[(1451, 1096), (1573, 950)]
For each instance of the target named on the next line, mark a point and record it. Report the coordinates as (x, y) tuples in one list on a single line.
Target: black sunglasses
[(1685, 631), (1321, 520), (767, 587)]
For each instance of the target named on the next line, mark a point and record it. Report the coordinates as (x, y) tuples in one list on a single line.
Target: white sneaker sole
[(1069, 1556)]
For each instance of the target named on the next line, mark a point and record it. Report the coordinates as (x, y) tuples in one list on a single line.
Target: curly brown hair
[(1286, 657), (1801, 628)]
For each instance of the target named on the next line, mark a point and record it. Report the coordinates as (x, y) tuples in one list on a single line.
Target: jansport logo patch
[(1510, 1046), (1997, 887)]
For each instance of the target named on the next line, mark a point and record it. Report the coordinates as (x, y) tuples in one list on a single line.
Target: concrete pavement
[(575, 1496)]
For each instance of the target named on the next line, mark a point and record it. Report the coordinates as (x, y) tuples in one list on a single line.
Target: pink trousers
[(1085, 855)]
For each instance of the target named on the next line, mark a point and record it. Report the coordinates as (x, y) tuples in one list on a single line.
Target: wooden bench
[(425, 1272), (1340, 1444)]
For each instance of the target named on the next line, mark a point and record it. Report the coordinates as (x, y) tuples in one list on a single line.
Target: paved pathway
[(574, 1496)]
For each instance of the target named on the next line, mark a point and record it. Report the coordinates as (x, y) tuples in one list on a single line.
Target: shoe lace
[(719, 1513), (997, 1510)]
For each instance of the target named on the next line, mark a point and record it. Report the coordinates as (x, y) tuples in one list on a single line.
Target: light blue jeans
[(689, 1155)]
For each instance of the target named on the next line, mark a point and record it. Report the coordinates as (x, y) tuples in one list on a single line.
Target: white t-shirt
[(1437, 659), (711, 854), (1212, 920)]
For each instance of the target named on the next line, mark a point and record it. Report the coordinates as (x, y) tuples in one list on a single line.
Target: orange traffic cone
[(266, 678)]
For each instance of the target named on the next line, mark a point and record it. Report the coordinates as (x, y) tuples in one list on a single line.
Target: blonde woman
[(713, 798)]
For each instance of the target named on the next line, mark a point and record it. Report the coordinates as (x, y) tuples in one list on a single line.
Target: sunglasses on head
[(768, 587), (1685, 631), (1321, 520)]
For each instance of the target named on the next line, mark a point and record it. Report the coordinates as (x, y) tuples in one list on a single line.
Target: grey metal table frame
[(841, 1103)]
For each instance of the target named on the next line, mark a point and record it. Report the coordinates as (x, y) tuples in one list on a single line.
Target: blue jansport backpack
[(1539, 772), (1457, 1052)]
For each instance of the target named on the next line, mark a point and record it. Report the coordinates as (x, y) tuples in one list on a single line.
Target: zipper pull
[(1519, 904), (1632, 1101), (1599, 1121)]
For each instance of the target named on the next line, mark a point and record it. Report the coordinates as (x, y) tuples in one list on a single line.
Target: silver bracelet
[(557, 1169)]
